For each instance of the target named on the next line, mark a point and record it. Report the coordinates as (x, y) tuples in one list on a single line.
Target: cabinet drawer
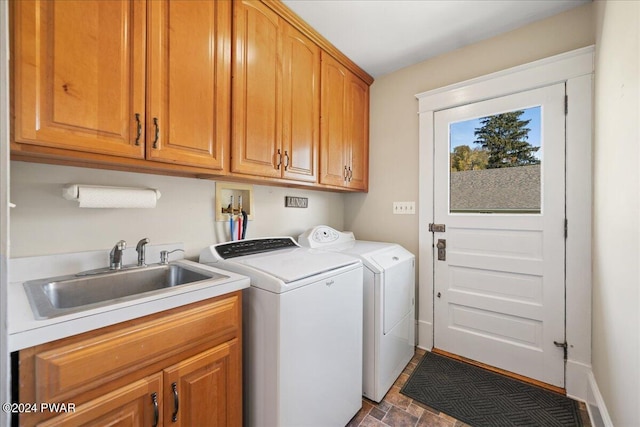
[(69, 370)]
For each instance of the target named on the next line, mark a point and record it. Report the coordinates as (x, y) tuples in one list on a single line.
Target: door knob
[(442, 249)]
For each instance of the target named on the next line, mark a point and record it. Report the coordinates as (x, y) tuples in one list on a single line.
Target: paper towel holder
[(72, 191)]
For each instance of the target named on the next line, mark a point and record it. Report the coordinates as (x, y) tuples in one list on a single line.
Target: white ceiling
[(382, 36)]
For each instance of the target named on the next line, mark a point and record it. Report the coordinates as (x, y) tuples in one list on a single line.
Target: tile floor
[(398, 410)]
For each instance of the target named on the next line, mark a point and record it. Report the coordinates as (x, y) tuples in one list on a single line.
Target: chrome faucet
[(141, 248), (115, 256)]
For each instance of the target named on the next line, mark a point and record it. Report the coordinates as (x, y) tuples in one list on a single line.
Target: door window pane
[(495, 163)]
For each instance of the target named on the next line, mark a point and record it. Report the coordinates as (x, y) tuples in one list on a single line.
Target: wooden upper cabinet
[(79, 74), (275, 112), (344, 128), (189, 82), (195, 87), (257, 76), (127, 78), (300, 105), (358, 133), (333, 147)]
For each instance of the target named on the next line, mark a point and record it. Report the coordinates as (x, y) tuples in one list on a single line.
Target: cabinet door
[(344, 128), (189, 82), (300, 105), (358, 133), (205, 390), (79, 75), (138, 404), (256, 104), (333, 125)]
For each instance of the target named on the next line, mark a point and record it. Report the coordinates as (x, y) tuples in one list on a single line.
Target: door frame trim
[(5, 356), (575, 69)]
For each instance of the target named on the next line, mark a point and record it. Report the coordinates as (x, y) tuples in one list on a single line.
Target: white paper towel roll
[(111, 197)]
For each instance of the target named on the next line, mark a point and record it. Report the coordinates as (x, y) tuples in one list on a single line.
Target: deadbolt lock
[(437, 228)]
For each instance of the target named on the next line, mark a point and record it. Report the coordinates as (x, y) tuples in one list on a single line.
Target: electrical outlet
[(404, 208)]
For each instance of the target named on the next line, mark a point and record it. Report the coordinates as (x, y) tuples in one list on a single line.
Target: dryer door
[(398, 287)]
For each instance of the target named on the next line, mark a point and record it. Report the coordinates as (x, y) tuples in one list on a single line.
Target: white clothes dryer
[(302, 331), (389, 304)]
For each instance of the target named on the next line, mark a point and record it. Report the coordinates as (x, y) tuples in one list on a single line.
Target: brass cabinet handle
[(176, 402), (286, 158), (155, 124), (138, 129), (156, 411)]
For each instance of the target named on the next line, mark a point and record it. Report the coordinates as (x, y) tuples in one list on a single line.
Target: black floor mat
[(482, 398)]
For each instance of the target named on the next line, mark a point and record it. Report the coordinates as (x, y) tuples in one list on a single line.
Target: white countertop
[(26, 331)]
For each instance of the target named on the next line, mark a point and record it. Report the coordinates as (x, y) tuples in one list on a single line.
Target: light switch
[(404, 208)]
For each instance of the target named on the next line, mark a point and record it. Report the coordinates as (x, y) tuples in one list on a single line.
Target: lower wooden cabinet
[(199, 391), (134, 405), (182, 367)]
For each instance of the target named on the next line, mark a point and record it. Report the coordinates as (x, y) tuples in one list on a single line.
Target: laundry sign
[(296, 202)]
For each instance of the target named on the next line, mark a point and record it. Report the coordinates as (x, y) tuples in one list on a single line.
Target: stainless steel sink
[(70, 294)]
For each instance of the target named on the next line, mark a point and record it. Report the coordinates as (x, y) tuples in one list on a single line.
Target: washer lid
[(392, 257), (377, 256), (290, 265)]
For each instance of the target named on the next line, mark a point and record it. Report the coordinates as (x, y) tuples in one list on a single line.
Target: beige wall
[(45, 223), (394, 119), (616, 229)]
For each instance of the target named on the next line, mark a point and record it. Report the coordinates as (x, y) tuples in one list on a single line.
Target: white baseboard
[(425, 335), (595, 405), (577, 384)]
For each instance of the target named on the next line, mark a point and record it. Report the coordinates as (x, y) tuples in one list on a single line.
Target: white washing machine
[(302, 331), (389, 304)]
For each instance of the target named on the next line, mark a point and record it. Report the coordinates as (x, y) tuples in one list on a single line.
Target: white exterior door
[(499, 291)]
